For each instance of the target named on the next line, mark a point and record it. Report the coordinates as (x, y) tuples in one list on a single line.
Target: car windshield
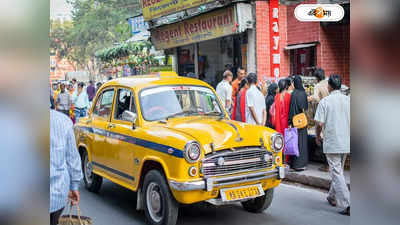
[(165, 102)]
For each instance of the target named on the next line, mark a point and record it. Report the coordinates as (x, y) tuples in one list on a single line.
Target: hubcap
[(154, 202), (88, 171)]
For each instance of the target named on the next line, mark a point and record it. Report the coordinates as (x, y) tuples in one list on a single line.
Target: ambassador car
[(169, 139)]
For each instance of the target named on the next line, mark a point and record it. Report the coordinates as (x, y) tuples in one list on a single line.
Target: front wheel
[(259, 204), (160, 206), (92, 181)]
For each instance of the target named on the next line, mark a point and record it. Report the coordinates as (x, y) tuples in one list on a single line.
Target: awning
[(291, 47)]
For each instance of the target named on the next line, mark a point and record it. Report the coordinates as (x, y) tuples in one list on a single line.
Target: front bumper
[(208, 184)]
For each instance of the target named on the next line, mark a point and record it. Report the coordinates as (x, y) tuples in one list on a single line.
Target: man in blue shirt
[(65, 165), (80, 100)]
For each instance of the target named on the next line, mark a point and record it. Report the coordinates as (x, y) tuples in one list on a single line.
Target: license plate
[(239, 193)]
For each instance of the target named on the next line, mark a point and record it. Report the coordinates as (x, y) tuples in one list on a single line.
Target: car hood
[(224, 134)]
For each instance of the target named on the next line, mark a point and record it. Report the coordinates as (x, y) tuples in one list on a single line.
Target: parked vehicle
[(169, 139)]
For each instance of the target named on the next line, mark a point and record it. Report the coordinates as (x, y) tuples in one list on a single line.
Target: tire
[(259, 204), (92, 181), (160, 207)]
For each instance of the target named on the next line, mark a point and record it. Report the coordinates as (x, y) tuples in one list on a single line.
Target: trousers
[(79, 112), (338, 189)]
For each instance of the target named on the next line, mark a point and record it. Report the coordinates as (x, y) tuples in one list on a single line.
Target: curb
[(313, 181)]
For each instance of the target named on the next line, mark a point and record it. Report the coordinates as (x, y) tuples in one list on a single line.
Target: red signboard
[(275, 56)]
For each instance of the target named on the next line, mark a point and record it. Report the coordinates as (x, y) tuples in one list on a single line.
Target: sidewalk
[(313, 177)]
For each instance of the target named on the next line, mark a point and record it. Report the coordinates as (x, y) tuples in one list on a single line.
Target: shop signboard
[(275, 56), (153, 9), (139, 28), (204, 27)]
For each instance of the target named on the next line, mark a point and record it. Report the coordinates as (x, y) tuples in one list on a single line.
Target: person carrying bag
[(74, 219), (298, 120)]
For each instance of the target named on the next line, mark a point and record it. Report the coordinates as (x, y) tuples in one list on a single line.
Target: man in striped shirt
[(65, 165)]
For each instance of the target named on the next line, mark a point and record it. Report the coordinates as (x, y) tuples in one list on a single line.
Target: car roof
[(159, 79)]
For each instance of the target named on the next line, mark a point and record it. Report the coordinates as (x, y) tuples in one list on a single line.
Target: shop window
[(303, 61), (186, 60)]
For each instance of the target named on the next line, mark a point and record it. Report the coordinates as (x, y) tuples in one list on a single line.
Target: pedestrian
[(282, 105), (320, 92), (91, 91), (321, 88), (65, 165), (255, 101), (241, 73), (98, 85), (269, 100), (239, 108), (224, 90), (80, 100), (74, 84), (333, 115), (63, 102), (299, 104)]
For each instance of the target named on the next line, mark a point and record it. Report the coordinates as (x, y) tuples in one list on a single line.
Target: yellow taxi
[(169, 139)]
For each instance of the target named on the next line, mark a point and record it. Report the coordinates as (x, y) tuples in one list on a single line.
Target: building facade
[(261, 36)]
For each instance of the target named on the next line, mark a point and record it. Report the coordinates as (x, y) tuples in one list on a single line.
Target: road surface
[(292, 205)]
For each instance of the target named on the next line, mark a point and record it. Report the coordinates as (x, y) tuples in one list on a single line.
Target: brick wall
[(333, 50), (301, 32), (262, 39)]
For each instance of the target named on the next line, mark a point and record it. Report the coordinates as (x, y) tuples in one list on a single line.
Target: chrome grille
[(235, 161)]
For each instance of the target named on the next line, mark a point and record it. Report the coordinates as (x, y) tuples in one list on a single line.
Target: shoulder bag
[(299, 120)]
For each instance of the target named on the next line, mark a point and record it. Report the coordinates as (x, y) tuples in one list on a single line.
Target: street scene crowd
[(266, 72), (244, 100)]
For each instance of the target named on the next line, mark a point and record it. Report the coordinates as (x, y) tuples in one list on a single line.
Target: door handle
[(111, 125)]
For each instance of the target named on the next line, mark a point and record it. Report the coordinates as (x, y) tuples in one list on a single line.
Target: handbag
[(299, 120), (74, 219), (291, 142)]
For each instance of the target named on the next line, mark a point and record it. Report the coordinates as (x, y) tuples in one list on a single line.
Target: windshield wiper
[(184, 112)]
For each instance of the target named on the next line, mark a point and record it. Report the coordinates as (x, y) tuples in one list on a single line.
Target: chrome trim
[(272, 139), (209, 183), (187, 186), (219, 202), (238, 161), (227, 152), (185, 152), (190, 171)]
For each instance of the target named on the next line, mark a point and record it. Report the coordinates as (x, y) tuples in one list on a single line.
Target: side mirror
[(129, 116)]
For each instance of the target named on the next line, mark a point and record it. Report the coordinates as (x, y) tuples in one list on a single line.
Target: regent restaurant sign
[(153, 9), (204, 27)]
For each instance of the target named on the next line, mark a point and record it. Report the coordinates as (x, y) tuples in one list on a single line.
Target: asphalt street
[(292, 205)]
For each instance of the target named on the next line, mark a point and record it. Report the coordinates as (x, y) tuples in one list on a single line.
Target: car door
[(122, 136), (100, 118)]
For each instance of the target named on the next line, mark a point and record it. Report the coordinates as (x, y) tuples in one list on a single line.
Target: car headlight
[(192, 152), (277, 142)]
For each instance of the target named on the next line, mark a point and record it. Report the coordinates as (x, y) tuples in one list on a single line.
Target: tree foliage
[(135, 54), (95, 24)]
